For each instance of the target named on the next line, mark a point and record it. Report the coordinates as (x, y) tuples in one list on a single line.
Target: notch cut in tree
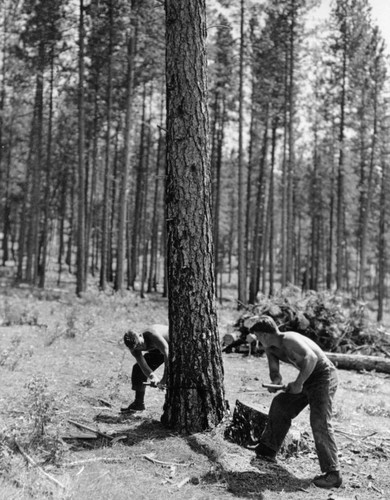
[(195, 399)]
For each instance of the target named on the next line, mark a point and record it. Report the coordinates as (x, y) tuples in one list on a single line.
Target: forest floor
[(62, 360)]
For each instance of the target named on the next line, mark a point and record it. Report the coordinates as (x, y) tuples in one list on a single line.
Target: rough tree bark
[(195, 399)]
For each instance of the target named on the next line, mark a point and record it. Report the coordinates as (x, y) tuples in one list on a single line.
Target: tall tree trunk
[(136, 216), (258, 229), (81, 282), (35, 205), (284, 188), (62, 216), (330, 239), (291, 150), (367, 199), (123, 185), (46, 210), (241, 242), (7, 202), (219, 139), (145, 228), (340, 241), (271, 212), (152, 280), (90, 215), (107, 163), (310, 274), (195, 399), (382, 260)]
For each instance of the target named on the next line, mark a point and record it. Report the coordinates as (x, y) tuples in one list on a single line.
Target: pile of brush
[(334, 323)]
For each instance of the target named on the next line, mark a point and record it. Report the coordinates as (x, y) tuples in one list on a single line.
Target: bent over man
[(315, 386), (153, 340)]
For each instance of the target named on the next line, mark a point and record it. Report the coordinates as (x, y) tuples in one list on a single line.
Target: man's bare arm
[(274, 368), (308, 364), (146, 370), (162, 345), (304, 358)]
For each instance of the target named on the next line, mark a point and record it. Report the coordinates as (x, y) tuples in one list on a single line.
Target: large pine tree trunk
[(195, 398)]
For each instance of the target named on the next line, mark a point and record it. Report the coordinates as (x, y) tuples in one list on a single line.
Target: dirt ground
[(62, 361)]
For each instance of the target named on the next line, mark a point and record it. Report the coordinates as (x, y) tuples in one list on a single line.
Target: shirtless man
[(153, 340), (315, 386)]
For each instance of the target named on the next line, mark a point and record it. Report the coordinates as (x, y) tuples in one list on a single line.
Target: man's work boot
[(134, 406), (329, 480)]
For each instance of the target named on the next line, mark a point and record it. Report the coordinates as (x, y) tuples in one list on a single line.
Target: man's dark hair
[(264, 324), (130, 339)]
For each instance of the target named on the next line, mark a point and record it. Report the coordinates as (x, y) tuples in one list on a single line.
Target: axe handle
[(277, 387)]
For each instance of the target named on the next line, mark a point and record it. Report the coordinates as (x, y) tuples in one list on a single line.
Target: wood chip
[(182, 483)]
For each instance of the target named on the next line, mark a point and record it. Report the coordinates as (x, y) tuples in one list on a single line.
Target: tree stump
[(248, 424)]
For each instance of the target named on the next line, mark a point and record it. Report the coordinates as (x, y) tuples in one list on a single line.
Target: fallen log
[(90, 429), (359, 362)]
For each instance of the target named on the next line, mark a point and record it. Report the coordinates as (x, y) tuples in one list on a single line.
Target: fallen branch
[(104, 402), (82, 426), (353, 435), (32, 462), (97, 459), (387, 353), (376, 489), (164, 464)]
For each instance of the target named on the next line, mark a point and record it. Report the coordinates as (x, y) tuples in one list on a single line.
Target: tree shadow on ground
[(133, 431), (253, 483), (250, 477)]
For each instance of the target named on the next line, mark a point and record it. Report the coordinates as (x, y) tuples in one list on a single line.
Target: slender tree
[(81, 280), (131, 42), (241, 241)]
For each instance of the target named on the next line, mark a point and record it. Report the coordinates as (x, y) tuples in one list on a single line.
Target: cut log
[(359, 362), (248, 424)]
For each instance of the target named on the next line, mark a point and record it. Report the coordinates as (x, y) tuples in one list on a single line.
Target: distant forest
[(298, 110)]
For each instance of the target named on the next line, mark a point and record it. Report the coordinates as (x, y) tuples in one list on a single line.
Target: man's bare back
[(292, 348)]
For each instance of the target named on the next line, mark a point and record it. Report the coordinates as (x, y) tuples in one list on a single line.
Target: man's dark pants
[(318, 392), (154, 359)]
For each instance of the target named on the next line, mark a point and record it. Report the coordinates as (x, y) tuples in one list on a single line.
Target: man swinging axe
[(314, 386), (153, 341)]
